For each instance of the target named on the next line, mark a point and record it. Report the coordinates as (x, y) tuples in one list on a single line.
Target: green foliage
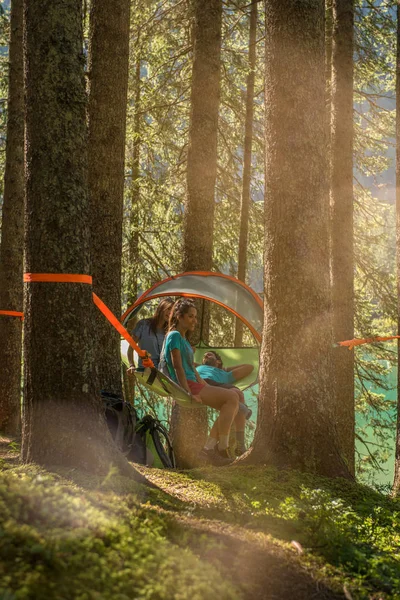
[(158, 122), (56, 541), (352, 528), (374, 223), (110, 538)]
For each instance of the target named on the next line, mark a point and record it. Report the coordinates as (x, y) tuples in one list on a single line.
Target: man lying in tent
[(213, 372)]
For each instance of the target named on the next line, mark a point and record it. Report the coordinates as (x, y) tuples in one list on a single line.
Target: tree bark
[(396, 483), (342, 222), (248, 139), (12, 234), (295, 427), (189, 427), (108, 77), (328, 63), (63, 416)]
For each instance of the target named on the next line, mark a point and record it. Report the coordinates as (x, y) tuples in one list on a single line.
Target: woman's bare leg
[(226, 401), (240, 423)]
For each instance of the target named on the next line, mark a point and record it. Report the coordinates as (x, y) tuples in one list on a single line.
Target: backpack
[(121, 420), (152, 445), (145, 442)]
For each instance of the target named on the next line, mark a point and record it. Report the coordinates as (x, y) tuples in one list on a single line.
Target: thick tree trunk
[(248, 138), (63, 422), (328, 60), (12, 234), (189, 427), (342, 222), (108, 76), (295, 427), (396, 484)]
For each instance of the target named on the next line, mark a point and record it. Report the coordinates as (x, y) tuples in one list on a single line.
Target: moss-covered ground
[(229, 533)]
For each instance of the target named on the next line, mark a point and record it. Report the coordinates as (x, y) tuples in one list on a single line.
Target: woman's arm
[(129, 355), (176, 360), (198, 378)]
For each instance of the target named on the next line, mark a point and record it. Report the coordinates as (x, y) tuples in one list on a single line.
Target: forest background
[(288, 517), (155, 181)]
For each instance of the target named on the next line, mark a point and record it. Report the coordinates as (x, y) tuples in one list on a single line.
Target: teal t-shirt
[(217, 375), (174, 341)]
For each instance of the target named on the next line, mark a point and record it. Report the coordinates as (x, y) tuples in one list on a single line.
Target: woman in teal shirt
[(178, 355)]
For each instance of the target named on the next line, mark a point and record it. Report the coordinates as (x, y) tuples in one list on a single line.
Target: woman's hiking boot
[(239, 450), (215, 457)]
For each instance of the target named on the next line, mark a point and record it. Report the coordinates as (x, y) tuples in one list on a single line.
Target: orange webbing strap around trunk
[(146, 359), (12, 313), (73, 278), (350, 344), (58, 277)]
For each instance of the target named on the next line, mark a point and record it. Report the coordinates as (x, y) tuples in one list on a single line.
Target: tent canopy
[(226, 291)]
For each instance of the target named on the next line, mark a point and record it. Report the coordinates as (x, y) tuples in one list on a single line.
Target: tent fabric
[(164, 386), (159, 383), (226, 291), (230, 357)]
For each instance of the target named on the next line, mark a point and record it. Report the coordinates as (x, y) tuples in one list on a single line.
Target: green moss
[(347, 530), (67, 535), (57, 541)]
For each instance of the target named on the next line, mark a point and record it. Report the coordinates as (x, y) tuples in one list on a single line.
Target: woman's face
[(166, 312), (188, 320)]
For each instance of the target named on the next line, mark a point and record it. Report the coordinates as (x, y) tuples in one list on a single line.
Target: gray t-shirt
[(149, 341)]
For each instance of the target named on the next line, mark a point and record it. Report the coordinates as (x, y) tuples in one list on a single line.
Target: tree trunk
[(190, 426), (63, 420), (328, 65), (108, 76), (396, 484), (342, 223), (248, 138), (12, 234), (295, 427)]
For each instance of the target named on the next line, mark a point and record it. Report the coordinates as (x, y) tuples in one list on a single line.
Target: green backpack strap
[(150, 430)]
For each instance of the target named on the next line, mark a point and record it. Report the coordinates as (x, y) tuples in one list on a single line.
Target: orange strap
[(58, 277), (72, 278), (358, 342), (146, 359), (12, 313)]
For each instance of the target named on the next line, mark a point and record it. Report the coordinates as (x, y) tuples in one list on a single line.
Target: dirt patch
[(261, 568)]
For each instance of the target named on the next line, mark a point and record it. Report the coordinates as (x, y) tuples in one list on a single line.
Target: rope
[(350, 344), (12, 313), (87, 279)]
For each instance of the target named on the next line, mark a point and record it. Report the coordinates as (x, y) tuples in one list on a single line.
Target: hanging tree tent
[(223, 290)]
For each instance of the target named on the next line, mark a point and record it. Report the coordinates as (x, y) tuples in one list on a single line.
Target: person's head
[(160, 318), (183, 315), (219, 364), (212, 359)]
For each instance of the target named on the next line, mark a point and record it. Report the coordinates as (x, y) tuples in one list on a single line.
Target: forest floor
[(233, 533)]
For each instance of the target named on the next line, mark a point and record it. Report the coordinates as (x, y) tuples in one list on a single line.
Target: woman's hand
[(197, 399), (131, 370)]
